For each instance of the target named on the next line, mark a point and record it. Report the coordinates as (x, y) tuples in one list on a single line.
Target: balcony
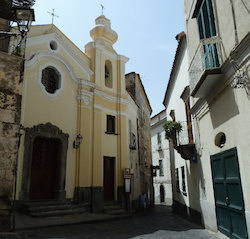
[(205, 68), (184, 143)]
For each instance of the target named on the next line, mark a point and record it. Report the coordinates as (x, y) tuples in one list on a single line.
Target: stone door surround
[(48, 131)]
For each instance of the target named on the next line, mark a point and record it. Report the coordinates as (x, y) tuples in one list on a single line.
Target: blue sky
[(146, 34)]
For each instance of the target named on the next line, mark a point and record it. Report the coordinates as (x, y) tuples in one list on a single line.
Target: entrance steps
[(51, 208), (113, 208)]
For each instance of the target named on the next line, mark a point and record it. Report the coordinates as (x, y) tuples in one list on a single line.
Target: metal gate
[(229, 201)]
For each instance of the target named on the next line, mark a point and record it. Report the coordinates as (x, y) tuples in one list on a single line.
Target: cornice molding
[(38, 55)]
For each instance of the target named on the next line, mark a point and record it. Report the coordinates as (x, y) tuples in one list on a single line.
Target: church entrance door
[(45, 157), (109, 178)]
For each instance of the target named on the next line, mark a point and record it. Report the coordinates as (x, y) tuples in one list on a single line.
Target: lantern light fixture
[(77, 141)]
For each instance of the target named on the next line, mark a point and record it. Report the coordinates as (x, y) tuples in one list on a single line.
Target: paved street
[(159, 222)]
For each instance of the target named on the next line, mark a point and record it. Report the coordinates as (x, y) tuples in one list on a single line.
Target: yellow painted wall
[(77, 108)]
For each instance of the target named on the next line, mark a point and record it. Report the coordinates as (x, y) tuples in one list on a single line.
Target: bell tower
[(108, 66), (109, 132)]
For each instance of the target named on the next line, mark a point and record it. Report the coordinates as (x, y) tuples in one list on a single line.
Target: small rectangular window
[(183, 180), (189, 122), (177, 180), (159, 138), (110, 124), (161, 168)]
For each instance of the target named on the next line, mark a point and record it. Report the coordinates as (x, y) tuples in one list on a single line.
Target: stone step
[(113, 208), (116, 212), (51, 208), (55, 213), (42, 208)]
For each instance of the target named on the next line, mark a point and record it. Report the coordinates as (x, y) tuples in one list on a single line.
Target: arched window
[(51, 79), (108, 74)]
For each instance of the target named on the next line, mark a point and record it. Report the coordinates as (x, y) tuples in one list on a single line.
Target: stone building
[(10, 111), (76, 113), (140, 141), (218, 42), (160, 159), (11, 81)]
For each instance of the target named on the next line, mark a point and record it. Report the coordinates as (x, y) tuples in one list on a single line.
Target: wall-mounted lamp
[(23, 17), (77, 141)]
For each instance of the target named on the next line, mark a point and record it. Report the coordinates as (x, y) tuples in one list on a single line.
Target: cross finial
[(102, 8), (53, 15)]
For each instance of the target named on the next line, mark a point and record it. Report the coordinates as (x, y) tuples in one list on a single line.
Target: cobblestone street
[(159, 222)]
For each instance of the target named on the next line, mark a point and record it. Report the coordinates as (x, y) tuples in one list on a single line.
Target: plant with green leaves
[(171, 128)]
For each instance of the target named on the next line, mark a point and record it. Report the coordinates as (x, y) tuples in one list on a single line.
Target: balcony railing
[(183, 145), (182, 136), (207, 57)]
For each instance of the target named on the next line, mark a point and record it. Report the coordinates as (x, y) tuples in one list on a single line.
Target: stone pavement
[(159, 223)]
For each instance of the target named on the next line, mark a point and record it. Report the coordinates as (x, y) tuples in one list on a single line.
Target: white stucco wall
[(230, 114), (161, 154), (225, 109)]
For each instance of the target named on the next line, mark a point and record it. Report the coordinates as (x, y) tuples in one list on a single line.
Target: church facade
[(77, 116)]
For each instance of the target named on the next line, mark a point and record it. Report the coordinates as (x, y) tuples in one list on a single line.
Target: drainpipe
[(15, 178), (235, 26)]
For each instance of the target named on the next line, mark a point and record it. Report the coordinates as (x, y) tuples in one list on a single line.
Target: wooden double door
[(45, 155), (229, 200), (108, 178)]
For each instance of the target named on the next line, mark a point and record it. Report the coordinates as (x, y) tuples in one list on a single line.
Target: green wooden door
[(229, 201)]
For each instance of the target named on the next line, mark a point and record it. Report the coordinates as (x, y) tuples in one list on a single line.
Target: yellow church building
[(86, 123)]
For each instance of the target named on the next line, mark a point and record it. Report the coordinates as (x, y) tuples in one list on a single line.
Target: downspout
[(119, 153), (78, 131), (235, 26), (93, 135)]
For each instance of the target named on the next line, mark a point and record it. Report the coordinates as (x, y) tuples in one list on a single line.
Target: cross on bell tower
[(102, 8)]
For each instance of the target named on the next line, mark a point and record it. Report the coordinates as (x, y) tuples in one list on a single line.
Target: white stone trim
[(39, 55), (112, 112), (110, 54), (123, 58), (39, 80), (53, 36), (110, 98), (58, 46)]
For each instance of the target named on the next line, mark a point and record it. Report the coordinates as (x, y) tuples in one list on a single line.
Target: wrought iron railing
[(207, 57)]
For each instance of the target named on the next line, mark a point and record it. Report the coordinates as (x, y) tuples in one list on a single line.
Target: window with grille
[(51, 79)]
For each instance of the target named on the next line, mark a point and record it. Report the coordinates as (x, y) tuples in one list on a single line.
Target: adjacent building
[(216, 190), (181, 145), (140, 155), (160, 160)]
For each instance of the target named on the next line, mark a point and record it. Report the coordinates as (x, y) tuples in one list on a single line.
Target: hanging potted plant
[(17, 51), (171, 128)]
